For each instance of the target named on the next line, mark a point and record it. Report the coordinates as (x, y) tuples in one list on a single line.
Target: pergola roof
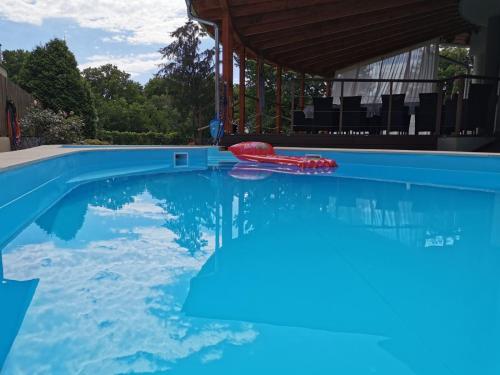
[(323, 36)]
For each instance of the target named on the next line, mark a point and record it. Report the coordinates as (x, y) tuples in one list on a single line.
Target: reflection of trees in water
[(67, 216), (116, 193), (195, 200), (280, 200), (190, 201), (407, 213)]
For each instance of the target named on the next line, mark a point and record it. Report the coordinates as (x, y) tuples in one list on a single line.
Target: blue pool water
[(230, 271)]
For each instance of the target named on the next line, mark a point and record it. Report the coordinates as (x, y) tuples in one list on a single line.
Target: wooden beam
[(227, 65), (439, 109), (278, 98), (460, 106), (303, 33), (427, 31), (258, 103), (368, 49), (302, 91), (242, 96), (242, 8), (324, 68), (275, 21), (329, 84), (357, 36)]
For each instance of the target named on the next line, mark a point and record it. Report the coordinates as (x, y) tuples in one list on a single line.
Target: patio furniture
[(400, 114), (353, 114), (479, 109), (426, 113), (325, 117), (449, 115)]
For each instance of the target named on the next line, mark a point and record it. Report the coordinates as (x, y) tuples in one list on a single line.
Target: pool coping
[(13, 159)]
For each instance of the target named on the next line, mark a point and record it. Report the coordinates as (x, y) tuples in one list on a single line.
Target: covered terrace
[(333, 42)]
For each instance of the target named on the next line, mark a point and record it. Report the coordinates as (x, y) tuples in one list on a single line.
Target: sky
[(127, 33)]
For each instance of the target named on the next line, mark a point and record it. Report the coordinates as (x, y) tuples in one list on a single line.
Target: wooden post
[(258, 110), (328, 88), (278, 99), (496, 128), (302, 91), (341, 115), (439, 109), (292, 102), (227, 65), (389, 114), (242, 95), (3, 102), (460, 106)]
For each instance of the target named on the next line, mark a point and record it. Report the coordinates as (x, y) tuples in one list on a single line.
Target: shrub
[(51, 127), (95, 142), (132, 138), (50, 72)]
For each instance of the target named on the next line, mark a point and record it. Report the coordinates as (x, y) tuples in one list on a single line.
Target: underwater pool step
[(127, 171)]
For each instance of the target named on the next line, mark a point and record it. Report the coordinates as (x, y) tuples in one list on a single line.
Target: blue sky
[(125, 33)]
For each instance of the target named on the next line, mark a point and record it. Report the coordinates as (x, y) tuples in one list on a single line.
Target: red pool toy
[(264, 153)]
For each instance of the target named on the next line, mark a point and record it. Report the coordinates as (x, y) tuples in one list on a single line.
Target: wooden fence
[(22, 100)]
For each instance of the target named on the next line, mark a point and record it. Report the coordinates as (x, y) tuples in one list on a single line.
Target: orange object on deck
[(264, 153)]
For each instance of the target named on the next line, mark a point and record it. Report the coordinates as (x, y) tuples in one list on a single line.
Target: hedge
[(132, 138)]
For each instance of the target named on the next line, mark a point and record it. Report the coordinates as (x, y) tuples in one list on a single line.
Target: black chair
[(353, 115), (325, 117), (301, 123), (479, 109), (374, 125), (449, 115), (426, 113), (400, 114)]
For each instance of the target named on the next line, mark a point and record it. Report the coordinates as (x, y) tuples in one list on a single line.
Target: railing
[(462, 105)]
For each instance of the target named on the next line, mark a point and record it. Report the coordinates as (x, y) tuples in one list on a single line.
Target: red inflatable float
[(264, 153)]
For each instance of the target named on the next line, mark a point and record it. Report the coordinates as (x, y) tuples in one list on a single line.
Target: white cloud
[(144, 206), (119, 299), (134, 64), (137, 22)]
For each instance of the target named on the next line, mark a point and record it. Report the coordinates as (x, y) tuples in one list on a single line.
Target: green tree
[(123, 106), (51, 74), (13, 61), (110, 83), (454, 61), (189, 77), (156, 86), (290, 89)]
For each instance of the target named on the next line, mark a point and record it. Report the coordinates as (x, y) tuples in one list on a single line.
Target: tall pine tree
[(189, 75)]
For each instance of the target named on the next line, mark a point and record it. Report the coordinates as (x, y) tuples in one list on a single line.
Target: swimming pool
[(386, 266)]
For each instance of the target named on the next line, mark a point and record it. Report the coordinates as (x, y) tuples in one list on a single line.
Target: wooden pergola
[(319, 37)]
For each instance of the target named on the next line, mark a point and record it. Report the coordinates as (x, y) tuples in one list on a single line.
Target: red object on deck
[(264, 153)]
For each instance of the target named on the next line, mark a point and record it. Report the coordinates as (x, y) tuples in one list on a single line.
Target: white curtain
[(417, 62)]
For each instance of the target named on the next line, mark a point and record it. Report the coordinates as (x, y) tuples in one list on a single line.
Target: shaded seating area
[(327, 117), (433, 113), (363, 86)]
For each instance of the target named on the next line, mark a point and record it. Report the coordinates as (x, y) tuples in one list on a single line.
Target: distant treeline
[(168, 109)]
